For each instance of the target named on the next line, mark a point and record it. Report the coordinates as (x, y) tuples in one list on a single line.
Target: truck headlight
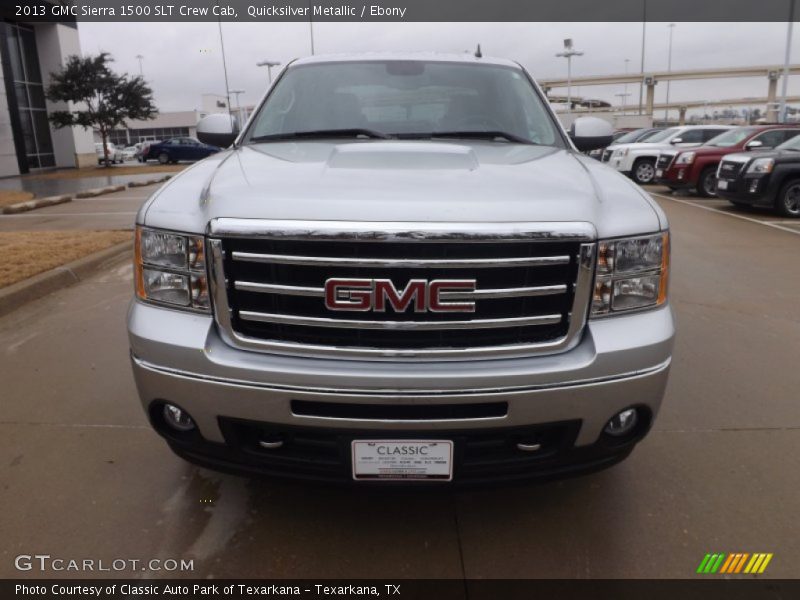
[(631, 274), (621, 152), (170, 269), (685, 158), (761, 165)]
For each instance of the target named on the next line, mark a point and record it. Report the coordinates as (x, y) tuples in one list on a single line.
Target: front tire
[(788, 201), (707, 183), (644, 171), (163, 158)]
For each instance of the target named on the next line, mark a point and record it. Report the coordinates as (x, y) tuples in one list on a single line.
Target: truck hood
[(419, 181)]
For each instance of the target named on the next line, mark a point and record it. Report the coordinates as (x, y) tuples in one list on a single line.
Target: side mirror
[(219, 129), (591, 133), (676, 140), (753, 145)]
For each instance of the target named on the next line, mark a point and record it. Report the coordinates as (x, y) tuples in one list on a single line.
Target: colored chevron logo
[(734, 563)]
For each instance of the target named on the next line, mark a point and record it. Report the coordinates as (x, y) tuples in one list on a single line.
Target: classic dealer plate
[(403, 459)]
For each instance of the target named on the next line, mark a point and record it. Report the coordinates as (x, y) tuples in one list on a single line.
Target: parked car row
[(697, 169), (176, 149), (638, 160), (756, 165), (766, 179), (168, 151)]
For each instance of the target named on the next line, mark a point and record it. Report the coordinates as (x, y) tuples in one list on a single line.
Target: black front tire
[(707, 183), (788, 201), (163, 158), (644, 171)]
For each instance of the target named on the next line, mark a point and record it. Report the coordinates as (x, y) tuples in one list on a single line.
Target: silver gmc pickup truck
[(402, 270)]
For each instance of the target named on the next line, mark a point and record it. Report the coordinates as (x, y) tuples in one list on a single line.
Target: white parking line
[(112, 197), (82, 215), (730, 214)]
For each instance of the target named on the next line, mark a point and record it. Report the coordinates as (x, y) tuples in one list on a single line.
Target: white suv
[(638, 160)]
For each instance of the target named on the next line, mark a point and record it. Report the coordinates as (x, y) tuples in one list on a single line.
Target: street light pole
[(785, 82), (623, 96), (568, 53), (669, 68), (641, 68), (269, 64), (625, 86), (238, 106), (139, 57)]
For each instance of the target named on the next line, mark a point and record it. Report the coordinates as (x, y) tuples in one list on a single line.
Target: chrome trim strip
[(283, 319), (399, 231), (318, 292), (274, 288), (389, 393), (454, 263), (578, 315)]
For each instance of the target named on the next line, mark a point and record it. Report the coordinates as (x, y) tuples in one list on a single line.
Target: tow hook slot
[(532, 447)]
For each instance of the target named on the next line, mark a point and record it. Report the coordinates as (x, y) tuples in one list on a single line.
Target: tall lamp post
[(669, 68), (785, 81), (623, 96), (568, 53), (139, 57), (269, 64), (238, 107)]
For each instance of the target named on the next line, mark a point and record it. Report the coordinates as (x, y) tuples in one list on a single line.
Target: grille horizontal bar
[(458, 263), (318, 292), (282, 319)]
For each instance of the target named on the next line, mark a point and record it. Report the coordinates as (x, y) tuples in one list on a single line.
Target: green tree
[(103, 99)]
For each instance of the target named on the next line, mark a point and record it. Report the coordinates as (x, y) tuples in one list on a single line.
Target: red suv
[(697, 168)]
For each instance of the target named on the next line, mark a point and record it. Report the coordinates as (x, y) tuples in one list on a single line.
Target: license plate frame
[(392, 463), (722, 184), (659, 172)]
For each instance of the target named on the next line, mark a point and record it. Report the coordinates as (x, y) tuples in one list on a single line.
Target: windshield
[(631, 136), (403, 99), (661, 135), (731, 138), (792, 144)]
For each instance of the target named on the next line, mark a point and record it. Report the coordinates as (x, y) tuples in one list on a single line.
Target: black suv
[(768, 179)]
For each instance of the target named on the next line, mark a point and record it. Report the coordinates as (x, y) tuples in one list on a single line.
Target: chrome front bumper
[(619, 362)]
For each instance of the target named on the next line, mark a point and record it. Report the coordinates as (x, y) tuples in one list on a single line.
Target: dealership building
[(28, 142)]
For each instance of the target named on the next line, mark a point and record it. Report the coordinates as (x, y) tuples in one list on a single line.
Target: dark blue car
[(175, 149)]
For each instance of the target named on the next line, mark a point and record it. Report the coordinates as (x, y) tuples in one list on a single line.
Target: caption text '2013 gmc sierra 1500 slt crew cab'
[(402, 270)]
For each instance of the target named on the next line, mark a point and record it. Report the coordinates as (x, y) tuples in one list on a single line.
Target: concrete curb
[(20, 207), (91, 193), (22, 292), (134, 184)]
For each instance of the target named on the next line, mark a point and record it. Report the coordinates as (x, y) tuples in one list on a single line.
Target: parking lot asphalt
[(109, 211), (83, 476)]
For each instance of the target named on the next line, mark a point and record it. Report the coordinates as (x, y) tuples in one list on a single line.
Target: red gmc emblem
[(363, 295)]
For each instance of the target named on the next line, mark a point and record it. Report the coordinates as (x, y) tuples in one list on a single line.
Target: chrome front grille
[(532, 286), (665, 160), (729, 169)]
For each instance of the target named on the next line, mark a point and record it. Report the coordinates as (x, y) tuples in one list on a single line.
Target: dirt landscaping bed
[(27, 253), (109, 171), (9, 197)]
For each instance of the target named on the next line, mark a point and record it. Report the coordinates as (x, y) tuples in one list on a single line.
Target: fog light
[(621, 423), (753, 186), (177, 418)]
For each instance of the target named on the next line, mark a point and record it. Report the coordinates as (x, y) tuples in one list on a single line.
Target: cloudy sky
[(183, 60)]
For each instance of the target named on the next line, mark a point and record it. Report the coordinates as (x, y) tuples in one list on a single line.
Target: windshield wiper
[(478, 135), (322, 133)]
